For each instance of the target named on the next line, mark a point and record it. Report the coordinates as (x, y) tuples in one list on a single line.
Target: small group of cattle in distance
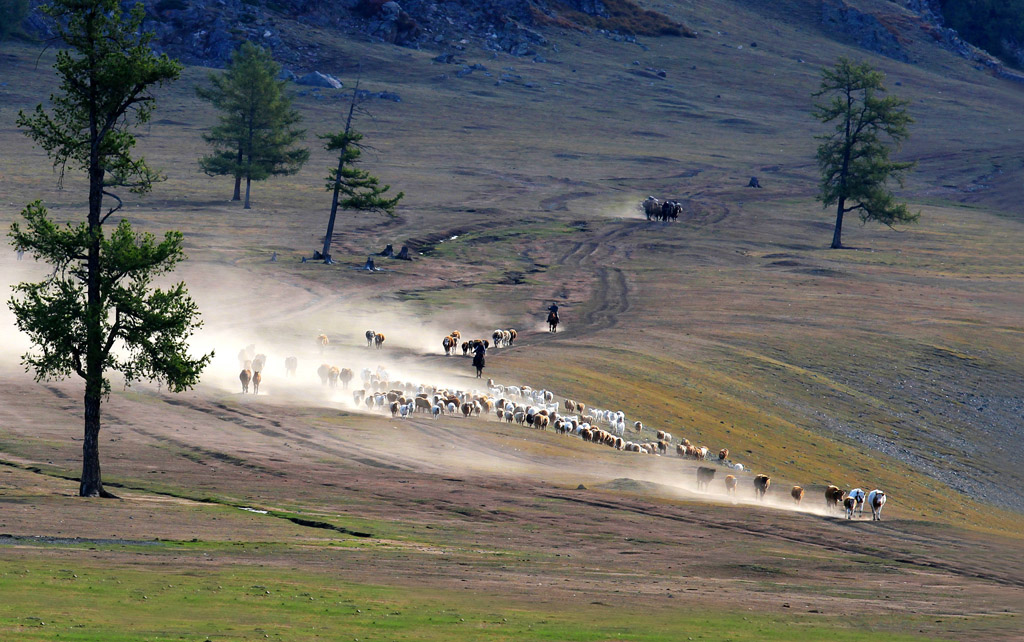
[(453, 341), (374, 339), (852, 501), (252, 368), (656, 210), (253, 365), (504, 338), (331, 375)]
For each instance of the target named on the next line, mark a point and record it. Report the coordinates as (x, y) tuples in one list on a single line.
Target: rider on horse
[(553, 316)]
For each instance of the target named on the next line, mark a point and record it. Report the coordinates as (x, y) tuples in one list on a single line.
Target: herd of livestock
[(538, 409), (656, 210)]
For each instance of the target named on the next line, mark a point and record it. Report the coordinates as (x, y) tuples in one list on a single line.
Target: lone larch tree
[(257, 133), (854, 157), (98, 310), (352, 188)]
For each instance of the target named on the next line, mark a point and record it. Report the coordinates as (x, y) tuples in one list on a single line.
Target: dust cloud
[(279, 318)]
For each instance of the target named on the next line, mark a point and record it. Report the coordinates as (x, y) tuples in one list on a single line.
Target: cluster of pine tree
[(997, 26)]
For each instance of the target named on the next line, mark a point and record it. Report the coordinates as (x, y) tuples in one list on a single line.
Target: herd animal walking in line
[(664, 211), (537, 409)]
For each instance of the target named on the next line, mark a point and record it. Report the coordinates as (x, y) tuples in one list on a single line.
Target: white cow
[(876, 500), (858, 496)]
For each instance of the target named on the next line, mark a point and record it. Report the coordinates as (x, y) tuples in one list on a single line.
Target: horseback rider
[(553, 315), (478, 358)]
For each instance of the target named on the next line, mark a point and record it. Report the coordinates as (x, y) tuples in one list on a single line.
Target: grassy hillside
[(897, 364)]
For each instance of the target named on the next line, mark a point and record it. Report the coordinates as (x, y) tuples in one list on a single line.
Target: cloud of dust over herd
[(283, 319)]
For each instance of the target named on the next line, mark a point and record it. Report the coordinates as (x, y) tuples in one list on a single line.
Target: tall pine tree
[(97, 311), (854, 157), (352, 188), (256, 136)]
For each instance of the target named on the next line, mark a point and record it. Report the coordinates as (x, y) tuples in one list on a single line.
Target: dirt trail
[(610, 294)]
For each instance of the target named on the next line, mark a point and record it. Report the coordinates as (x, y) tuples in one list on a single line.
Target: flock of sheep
[(537, 408)]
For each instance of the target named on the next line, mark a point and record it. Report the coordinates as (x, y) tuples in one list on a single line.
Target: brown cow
[(797, 493), (833, 496), (730, 484)]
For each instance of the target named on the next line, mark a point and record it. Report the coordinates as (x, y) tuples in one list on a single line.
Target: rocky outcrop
[(866, 29), (205, 32)]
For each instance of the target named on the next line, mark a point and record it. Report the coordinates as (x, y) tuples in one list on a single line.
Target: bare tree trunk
[(238, 179), (248, 184), (337, 180), (91, 483), (837, 236), (334, 211)]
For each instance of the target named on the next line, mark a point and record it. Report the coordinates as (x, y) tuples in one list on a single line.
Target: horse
[(552, 322)]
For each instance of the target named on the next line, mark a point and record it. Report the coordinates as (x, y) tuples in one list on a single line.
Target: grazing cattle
[(370, 335), (876, 500), (322, 341), (291, 364), (245, 376), (256, 379), (378, 340), (858, 496), (849, 504), (797, 493), (324, 371), (704, 477), (730, 484), (761, 484), (833, 497)]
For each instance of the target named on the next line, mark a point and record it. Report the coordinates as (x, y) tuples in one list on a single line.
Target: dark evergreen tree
[(97, 310), (352, 188), (256, 136), (854, 157)]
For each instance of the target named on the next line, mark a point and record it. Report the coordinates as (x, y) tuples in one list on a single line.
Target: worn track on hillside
[(610, 295)]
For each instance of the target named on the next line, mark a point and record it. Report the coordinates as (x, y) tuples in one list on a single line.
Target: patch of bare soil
[(440, 498)]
